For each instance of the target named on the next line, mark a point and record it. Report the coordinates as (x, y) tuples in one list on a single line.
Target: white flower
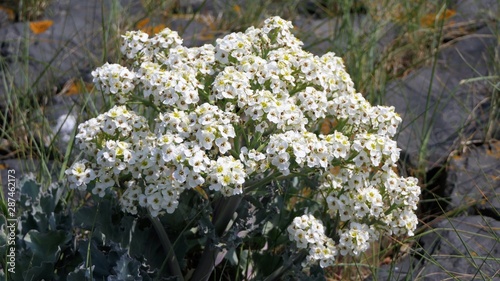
[(154, 201), (170, 206), (223, 144), (281, 161), (181, 173), (199, 162), (195, 179), (79, 175), (98, 190), (227, 174), (301, 238), (206, 137)]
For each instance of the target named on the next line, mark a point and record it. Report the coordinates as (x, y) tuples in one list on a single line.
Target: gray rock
[(330, 34), (433, 116), (475, 10), (470, 56), (191, 31), (398, 271), (474, 180), (193, 5), (131, 7), (36, 63), (4, 18), (466, 248), (439, 110)]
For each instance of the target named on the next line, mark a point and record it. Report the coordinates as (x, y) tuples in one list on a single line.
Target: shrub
[(216, 145)]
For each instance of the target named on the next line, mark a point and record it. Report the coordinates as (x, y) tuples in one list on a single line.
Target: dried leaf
[(237, 9), (151, 30), (142, 23), (158, 28), (206, 36), (74, 87), (326, 126), (10, 13), (38, 27), (202, 192), (429, 20)]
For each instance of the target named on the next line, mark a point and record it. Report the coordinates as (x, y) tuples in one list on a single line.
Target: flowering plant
[(255, 114)]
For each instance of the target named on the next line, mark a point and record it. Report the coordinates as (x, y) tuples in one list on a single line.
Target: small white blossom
[(80, 174)]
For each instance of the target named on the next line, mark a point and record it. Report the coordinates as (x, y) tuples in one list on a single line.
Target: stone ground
[(462, 147)]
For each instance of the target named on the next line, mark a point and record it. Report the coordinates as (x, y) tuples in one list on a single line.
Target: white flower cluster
[(307, 149), (138, 47), (116, 80), (162, 164), (309, 233), (249, 108)]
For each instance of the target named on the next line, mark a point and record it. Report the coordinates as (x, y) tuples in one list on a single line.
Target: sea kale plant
[(246, 125)]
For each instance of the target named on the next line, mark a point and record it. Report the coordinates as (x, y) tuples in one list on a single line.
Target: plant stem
[(222, 216), (172, 263)]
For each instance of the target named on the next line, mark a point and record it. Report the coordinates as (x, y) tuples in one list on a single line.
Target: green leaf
[(266, 262), (126, 269), (108, 219), (85, 217), (31, 189), (43, 272), (81, 273), (46, 246), (232, 257), (47, 203), (145, 243), (244, 260), (97, 258)]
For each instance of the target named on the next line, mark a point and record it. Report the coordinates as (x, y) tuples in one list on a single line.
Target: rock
[(133, 8), (445, 107), (316, 34), (470, 56), (438, 109), (194, 5), (38, 63), (474, 180), (433, 117), (475, 10), (329, 34), (4, 18), (465, 248), (193, 32), (398, 271)]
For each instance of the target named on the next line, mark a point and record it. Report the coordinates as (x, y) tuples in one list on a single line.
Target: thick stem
[(172, 263), (224, 213), (222, 216)]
